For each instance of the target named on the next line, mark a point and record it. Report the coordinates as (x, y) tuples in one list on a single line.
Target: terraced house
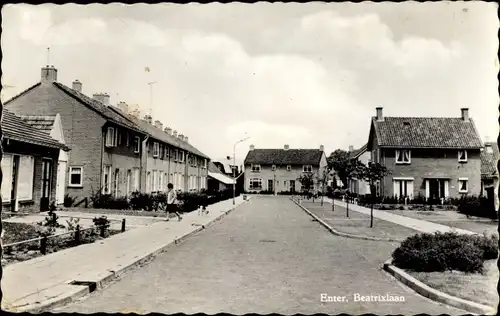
[(111, 151), (277, 170), (436, 158)]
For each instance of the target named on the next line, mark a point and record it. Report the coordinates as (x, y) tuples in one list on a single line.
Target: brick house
[(432, 157), (359, 186), (489, 172), (277, 170), (217, 179), (110, 149), (29, 176)]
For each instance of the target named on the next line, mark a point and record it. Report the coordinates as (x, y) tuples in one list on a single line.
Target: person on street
[(172, 202)]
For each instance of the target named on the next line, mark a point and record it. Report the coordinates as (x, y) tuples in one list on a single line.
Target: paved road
[(268, 256)]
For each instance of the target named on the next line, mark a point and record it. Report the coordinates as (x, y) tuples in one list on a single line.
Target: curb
[(435, 295), (336, 232), (111, 276)]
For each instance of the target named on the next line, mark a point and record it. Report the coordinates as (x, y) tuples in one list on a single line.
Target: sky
[(299, 74)]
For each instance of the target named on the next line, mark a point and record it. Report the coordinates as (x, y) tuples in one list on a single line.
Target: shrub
[(476, 206), (100, 221), (445, 251), (107, 201), (72, 223), (141, 201), (68, 200)]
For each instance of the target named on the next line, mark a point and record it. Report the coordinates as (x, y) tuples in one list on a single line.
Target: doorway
[(438, 188), (270, 185), (46, 185)]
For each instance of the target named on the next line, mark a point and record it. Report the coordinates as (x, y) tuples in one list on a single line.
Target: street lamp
[(234, 169)]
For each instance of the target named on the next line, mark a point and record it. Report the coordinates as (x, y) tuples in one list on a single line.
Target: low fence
[(77, 234)]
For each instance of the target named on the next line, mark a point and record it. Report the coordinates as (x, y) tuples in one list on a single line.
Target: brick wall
[(281, 173)]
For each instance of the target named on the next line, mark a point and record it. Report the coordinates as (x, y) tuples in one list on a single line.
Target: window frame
[(110, 137), (466, 181), (156, 149), (137, 144), (255, 169), (71, 172), (465, 154), (306, 171), (182, 156), (400, 153), (252, 180), (288, 167)]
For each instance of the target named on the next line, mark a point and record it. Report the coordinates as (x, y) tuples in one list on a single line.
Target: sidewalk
[(413, 223), (44, 282)]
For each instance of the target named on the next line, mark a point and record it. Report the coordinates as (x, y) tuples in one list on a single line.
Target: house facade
[(277, 170), (436, 158), (29, 165), (217, 180), (113, 153), (359, 186), (489, 172)]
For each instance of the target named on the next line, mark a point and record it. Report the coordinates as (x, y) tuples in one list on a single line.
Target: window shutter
[(7, 177)]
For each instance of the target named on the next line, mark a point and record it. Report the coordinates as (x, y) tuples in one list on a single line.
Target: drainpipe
[(144, 160), (101, 178)]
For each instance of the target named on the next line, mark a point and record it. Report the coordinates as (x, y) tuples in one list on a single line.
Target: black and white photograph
[(318, 157)]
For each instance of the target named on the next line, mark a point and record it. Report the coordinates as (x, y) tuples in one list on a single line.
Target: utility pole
[(151, 97)]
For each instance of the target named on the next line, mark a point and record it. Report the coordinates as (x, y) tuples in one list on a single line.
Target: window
[(129, 181), (165, 181), (255, 168), (463, 185), (176, 154), (25, 178), (149, 185), (137, 144), (255, 184), (111, 137), (160, 153), (117, 182), (289, 168), (195, 162), (155, 180), (307, 168), (160, 181), (204, 163), (75, 176), (156, 149), (273, 167), (462, 156), (119, 136), (166, 152), (106, 180), (181, 156), (403, 156), (7, 177), (403, 188), (137, 179), (127, 139)]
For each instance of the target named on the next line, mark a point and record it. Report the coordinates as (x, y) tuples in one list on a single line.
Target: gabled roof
[(43, 123), (284, 157), (158, 134), (215, 173), (489, 160), (358, 152), (425, 132), (14, 128)]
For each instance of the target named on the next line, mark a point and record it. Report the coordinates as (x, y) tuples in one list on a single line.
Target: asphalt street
[(267, 256)]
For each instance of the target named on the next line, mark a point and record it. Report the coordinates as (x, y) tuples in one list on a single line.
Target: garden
[(460, 265)]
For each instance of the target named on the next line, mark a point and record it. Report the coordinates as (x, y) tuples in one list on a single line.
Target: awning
[(220, 177)]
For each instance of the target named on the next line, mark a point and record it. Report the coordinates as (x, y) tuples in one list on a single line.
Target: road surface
[(267, 256)]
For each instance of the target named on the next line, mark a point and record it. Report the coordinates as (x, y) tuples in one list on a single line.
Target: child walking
[(172, 202)]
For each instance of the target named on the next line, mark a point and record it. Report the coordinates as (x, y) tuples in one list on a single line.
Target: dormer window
[(273, 167), (255, 168), (289, 168), (462, 156), (403, 156), (307, 168)]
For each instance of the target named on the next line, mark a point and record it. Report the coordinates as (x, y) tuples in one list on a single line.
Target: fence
[(43, 240)]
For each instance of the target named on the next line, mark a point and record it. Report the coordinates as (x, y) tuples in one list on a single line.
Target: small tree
[(338, 161), (372, 173), (307, 181), (322, 180), (352, 169)]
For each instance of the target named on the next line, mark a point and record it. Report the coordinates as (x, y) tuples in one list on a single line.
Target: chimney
[(465, 114), (175, 133), (351, 148), (168, 130), (102, 97), (321, 148), (159, 124), (252, 147), (380, 116), (181, 136), (123, 107), (49, 74), (148, 118), (287, 147), (136, 113), (186, 139), (77, 85)]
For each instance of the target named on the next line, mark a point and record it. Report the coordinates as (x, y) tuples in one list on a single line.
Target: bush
[(69, 201), (141, 201), (107, 201), (476, 206), (445, 251), (100, 221)]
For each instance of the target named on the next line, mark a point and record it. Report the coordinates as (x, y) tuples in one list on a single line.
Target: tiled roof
[(427, 132), (159, 134), (98, 106), (284, 157), (358, 152), (489, 160), (13, 127), (43, 123), (213, 168)]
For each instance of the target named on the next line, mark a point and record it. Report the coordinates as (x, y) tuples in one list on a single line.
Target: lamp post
[(234, 169)]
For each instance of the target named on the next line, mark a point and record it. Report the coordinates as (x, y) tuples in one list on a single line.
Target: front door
[(61, 182), (292, 185), (46, 185), (270, 185), (437, 189)]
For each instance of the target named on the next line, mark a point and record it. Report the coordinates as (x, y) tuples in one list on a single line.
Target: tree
[(338, 161), (353, 168), (307, 181), (372, 173), (322, 180)]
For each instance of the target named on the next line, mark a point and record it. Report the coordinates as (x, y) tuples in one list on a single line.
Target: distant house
[(432, 157), (489, 172), (217, 180), (277, 170), (30, 164), (359, 186)]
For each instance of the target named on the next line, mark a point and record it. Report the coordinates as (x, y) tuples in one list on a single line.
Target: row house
[(359, 186), (109, 149), (30, 179), (433, 157), (277, 170), (489, 172)]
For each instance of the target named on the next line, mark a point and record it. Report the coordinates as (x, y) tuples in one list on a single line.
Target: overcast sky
[(297, 74)]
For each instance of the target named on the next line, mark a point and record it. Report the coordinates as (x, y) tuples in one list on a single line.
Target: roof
[(43, 123), (159, 134), (489, 160), (284, 157), (358, 152), (426, 132), (14, 128), (221, 177), (212, 167)]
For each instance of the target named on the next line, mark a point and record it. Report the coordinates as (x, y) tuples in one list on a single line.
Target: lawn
[(357, 223), (480, 288), (14, 232)]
